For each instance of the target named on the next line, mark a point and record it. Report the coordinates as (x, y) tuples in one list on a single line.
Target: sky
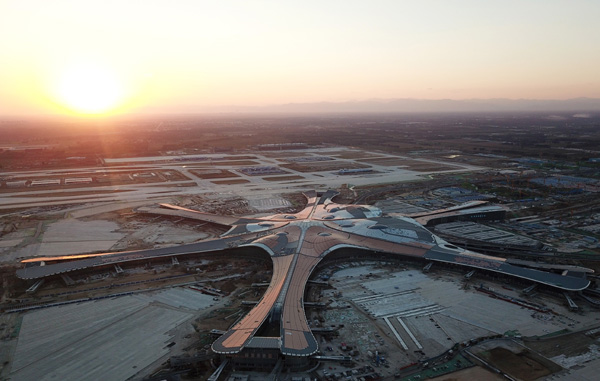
[(129, 56)]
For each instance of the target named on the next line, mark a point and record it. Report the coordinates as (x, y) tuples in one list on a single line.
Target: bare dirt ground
[(283, 154), (213, 173), (520, 365), (386, 161), (297, 200), (142, 278), (217, 204), (573, 344), (429, 167), (94, 287)]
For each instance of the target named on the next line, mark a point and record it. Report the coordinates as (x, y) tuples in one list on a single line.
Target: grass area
[(552, 334), (320, 166), (234, 162), (230, 182), (356, 155), (73, 193), (412, 165), (385, 161), (458, 362), (205, 339), (17, 329), (213, 173), (282, 154), (512, 333), (582, 232), (283, 178)]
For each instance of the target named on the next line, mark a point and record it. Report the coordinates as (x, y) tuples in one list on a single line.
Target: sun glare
[(89, 89)]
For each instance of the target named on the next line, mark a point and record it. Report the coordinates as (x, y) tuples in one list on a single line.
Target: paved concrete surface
[(147, 192), (180, 298), (73, 236), (587, 373), (431, 310), (109, 339)]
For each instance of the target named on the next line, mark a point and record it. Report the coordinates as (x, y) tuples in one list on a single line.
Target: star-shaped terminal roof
[(296, 244)]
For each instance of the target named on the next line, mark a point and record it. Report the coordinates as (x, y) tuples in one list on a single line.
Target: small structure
[(261, 171), (78, 180), (16, 184), (45, 182)]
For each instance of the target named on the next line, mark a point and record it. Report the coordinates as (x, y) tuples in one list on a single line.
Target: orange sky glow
[(109, 57)]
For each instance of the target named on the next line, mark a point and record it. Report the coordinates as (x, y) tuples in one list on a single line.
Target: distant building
[(261, 171), (16, 184), (145, 175), (282, 146), (473, 232), (78, 180), (308, 159), (481, 213), (45, 182)]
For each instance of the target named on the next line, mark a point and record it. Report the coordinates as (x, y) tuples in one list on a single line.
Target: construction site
[(370, 319), (419, 265)]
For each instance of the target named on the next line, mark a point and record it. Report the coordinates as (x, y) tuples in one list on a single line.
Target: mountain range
[(407, 105)]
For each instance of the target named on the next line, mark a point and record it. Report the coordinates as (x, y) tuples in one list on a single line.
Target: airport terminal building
[(275, 332)]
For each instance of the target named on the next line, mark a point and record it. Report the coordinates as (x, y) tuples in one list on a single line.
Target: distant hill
[(429, 106)]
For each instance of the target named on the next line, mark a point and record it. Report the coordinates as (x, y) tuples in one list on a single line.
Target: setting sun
[(89, 89)]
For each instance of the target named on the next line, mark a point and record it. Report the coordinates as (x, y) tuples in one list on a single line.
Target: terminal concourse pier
[(276, 329)]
